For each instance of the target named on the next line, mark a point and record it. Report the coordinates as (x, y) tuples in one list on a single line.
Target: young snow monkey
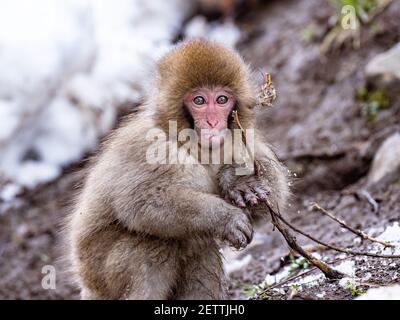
[(143, 229)]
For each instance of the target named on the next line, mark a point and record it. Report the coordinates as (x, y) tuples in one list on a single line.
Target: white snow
[(9, 192), (31, 173), (226, 32), (311, 280), (65, 68), (346, 267), (237, 264), (287, 271), (278, 277), (366, 276), (383, 293), (348, 282), (391, 235)]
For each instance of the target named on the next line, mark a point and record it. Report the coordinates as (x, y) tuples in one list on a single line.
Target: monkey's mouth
[(212, 136)]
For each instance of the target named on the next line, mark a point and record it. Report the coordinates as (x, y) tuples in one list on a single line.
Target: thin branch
[(294, 277), (291, 240), (333, 247), (358, 232)]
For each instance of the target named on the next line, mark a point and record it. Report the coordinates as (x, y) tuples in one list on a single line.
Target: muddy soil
[(316, 127)]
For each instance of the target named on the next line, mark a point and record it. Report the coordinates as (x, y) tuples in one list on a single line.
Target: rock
[(383, 293), (385, 65), (386, 162)]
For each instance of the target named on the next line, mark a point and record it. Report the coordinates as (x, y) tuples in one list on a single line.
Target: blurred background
[(71, 69)]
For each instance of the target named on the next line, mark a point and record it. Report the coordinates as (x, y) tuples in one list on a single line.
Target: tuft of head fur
[(199, 63)]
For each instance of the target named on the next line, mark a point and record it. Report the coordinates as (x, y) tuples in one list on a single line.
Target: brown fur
[(148, 231), (196, 64)]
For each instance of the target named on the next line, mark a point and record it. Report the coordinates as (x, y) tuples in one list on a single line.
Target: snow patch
[(346, 267), (65, 69), (384, 293), (9, 192), (347, 282), (237, 264), (311, 280), (227, 32), (391, 235)]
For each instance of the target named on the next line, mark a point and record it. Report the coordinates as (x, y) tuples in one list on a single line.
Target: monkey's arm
[(248, 190), (179, 211)]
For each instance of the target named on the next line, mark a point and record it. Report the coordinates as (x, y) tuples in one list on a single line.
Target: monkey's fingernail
[(253, 201), (250, 198), (241, 203), (263, 196), (261, 193), (267, 191)]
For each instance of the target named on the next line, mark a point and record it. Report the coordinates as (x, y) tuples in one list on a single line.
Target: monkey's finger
[(248, 195), (261, 193), (242, 241), (260, 186), (251, 198), (236, 239), (247, 231), (237, 198)]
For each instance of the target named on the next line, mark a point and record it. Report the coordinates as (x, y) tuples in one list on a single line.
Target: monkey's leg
[(117, 264), (152, 265), (155, 283), (203, 277)]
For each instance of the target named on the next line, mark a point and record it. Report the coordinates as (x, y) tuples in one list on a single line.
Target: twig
[(294, 277), (381, 7), (329, 272), (358, 232), (291, 240), (333, 247)]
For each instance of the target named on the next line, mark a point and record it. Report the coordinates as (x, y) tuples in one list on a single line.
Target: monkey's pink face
[(210, 109)]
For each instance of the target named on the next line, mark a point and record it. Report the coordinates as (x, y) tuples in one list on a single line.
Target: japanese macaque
[(145, 230)]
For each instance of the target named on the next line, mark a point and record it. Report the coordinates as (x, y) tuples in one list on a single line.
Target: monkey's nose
[(212, 123)]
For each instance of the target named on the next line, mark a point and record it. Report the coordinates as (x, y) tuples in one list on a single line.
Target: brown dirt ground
[(316, 128)]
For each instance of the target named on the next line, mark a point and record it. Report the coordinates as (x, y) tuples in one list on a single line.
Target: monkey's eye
[(222, 99), (199, 100)]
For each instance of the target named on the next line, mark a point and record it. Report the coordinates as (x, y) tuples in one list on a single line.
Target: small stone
[(386, 160), (385, 65)]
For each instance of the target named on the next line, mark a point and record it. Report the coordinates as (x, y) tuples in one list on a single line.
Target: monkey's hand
[(237, 229), (248, 191), (254, 191), (245, 190)]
